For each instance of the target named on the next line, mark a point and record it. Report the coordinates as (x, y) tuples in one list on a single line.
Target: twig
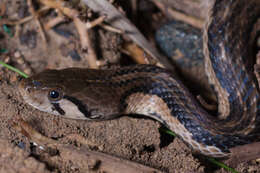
[(196, 8), (99, 21), (54, 22), (23, 20), (86, 43), (111, 28), (61, 7), (27, 130), (198, 23), (96, 22), (81, 28), (103, 162), (116, 19), (136, 53), (83, 158), (34, 14)]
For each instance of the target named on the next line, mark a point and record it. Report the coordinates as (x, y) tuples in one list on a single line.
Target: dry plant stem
[(104, 162), (60, 6), (27, 130), (196, 8), (99, 21), (195, 22), (17, 31), (83, 158), (111, 29), (34, 14), (136, 53), (23, 20), (118, 20), (54, 22), (86, 43), (18, 22), (81, 28), (96, 22)]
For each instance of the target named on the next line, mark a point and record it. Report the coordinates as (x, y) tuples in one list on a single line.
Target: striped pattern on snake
[(152, 91)]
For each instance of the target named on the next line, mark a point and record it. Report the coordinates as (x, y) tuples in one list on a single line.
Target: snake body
[(154, 92)]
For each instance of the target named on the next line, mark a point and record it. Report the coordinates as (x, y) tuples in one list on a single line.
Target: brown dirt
[(136, 139)]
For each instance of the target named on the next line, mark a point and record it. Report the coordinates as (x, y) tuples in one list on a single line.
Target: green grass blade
[(222, 165), (14, 69), (167, 131)]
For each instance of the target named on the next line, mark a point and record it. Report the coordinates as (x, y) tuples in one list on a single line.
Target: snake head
[(67, 93), (42, 95)]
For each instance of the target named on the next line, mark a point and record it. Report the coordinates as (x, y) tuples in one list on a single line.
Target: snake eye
[(54, 95)]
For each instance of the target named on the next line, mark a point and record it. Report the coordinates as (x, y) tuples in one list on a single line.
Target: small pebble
[(20, 61), (17, 54), (7, 59), (28, 71), (74, 55)]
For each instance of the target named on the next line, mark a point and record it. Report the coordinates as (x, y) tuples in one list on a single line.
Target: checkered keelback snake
[(152, 91)]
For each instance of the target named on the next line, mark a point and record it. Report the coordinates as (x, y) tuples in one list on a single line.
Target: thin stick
[(86, 43), (23, 20), (96, 22), (99, 21), (54, 22), (92, 159), (111, 28), (34, 14), (136, 53), (81, 28), (198, 23)]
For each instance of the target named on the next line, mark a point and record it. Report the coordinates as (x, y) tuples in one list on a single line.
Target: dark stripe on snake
[(169, 99), (81, 106), (57, 107)]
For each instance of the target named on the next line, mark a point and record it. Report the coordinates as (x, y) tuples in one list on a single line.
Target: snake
[(148, 90)]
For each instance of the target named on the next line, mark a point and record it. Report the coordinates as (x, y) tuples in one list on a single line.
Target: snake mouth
[(25, 90), (22, 86)]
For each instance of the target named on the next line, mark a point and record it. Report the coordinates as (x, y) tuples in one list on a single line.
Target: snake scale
[(154, 92)]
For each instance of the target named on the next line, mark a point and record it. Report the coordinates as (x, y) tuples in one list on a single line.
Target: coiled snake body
[(152, 91)]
